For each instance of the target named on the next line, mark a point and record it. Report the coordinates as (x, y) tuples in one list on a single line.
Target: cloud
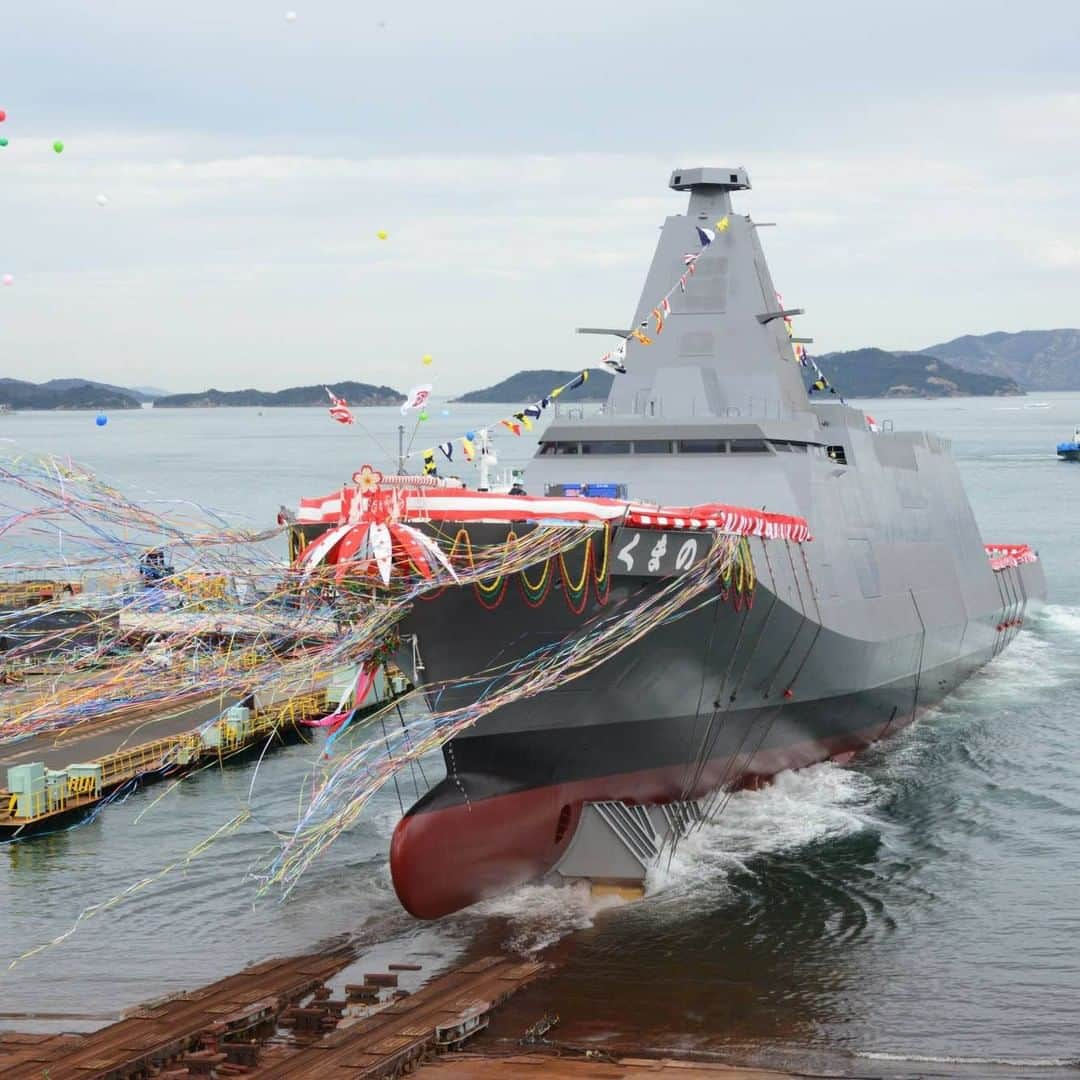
[(921, 184)]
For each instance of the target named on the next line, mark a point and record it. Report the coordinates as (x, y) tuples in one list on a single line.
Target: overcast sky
[(920, 159)]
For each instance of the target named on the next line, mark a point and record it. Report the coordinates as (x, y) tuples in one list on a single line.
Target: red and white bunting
[(1002, 556), (462, 505)]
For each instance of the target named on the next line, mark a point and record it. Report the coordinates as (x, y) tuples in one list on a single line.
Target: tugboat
[(1070, 451), (868, 593)]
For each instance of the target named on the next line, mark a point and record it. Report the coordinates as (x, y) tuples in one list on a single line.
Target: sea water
[(916, 911)]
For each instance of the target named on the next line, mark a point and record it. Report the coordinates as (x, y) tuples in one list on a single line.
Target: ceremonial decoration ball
[(3, 142), (58, 147), (470, 435), (428, 359), (382, 234), (423, 414), (3, 116), (101, 419)]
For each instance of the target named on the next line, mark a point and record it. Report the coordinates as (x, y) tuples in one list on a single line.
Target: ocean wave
[(945, 1059)]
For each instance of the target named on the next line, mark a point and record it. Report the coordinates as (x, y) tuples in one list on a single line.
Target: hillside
[(528, 386), (75, 394), (1036, 359), (139, 393), (877, 373), (354, 393)]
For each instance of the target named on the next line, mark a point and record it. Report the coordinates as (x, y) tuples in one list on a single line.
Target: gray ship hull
[(723, 698), (890, 605)]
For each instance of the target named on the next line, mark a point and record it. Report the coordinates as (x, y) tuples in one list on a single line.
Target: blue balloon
[(470, 435), (101, 419)]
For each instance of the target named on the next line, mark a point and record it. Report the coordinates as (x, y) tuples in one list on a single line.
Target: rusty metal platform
[(399, 1037), (278, 1021), (155, 1035)]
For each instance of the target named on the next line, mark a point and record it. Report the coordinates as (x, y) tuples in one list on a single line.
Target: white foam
[(798, 808), (541, 915), (1059, 618), (929, 1059)]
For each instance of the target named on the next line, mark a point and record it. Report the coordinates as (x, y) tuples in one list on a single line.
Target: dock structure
[(279, 1020), (58, 775), (226, 1012)]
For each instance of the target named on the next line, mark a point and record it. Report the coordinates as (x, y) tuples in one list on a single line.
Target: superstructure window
[(605, 447), (702, 446), (749, 446), (781, 445), (652, 446), (837, 454)]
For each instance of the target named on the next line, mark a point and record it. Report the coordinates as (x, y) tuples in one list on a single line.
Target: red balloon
[(3, 116)]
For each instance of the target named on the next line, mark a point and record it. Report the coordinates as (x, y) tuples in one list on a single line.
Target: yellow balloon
[(428, 358), (382, 234)]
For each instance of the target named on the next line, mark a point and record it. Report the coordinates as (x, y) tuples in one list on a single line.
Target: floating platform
[(56, 776)]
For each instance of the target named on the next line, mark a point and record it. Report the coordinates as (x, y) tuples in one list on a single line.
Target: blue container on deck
[(602, 491)]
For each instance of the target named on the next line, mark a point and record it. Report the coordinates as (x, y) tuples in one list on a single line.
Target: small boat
[(1037, 405), (1070, 451)]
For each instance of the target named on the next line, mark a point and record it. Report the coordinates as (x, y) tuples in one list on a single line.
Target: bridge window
[(702, 446), (652, 446), (548, 448), (605, 447), (837, 454), (749, 446)]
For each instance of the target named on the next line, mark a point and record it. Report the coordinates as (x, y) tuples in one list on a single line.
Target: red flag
[(339, 408)]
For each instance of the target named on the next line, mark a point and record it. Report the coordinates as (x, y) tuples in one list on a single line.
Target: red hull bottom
[(445, 859)]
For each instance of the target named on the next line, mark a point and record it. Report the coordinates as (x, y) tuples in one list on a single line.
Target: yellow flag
[(640, 335)]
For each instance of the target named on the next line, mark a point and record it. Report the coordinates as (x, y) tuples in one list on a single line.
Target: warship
[(845, 633)]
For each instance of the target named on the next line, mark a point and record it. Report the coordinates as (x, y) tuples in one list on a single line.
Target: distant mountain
[(877, 373), (139, 393), (78, 395), (354, 393), (1036, 359), (528, 386)]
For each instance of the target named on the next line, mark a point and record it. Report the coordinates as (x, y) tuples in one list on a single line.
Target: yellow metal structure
[(94, 780)]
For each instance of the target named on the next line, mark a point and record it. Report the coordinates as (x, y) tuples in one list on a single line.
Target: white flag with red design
[(416, 398)]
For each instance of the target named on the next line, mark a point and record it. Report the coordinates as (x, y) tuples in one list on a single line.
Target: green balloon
[(58, 146), (3, 142), (423, 414)]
